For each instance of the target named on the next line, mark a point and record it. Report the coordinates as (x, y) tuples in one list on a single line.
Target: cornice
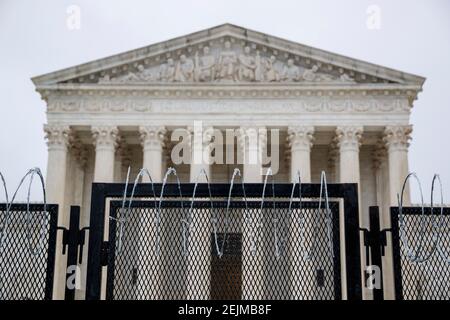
[(220, 91)]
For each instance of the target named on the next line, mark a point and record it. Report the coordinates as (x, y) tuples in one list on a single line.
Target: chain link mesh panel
[(245, 254), (25, 275), (429, 280)]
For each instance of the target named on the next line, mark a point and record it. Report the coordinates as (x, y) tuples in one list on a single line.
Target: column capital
[(205, 134), (300, 137), (349, 137), (247, 134), (105, 136), (57, 136), (152, 136), (397, 138)]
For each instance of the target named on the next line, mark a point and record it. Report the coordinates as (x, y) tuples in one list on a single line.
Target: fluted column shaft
[(199, 246), (396, 139), (300, 140), (348, 139), (57, 142), (152, 141), (252, 141), (105, 141), (397, 142)]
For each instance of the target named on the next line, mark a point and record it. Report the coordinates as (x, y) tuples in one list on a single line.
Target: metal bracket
[(104, 253), (65, 239)]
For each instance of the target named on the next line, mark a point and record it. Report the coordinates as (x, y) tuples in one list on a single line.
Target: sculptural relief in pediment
[(228, 62)]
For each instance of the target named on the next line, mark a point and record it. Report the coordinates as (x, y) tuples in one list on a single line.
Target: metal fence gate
[(244, 252), (428, 279), (27, 251), (214, 259)]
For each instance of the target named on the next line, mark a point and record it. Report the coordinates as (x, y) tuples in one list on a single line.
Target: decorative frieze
[(304, 104)]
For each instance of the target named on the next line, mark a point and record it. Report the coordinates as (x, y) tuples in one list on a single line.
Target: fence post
[(376, 247), (71, 239)]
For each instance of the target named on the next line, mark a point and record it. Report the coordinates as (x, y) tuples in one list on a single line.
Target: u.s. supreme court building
[(307, 110)]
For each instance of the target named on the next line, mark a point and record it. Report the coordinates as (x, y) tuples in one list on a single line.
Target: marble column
[(200, 142), (79, 157), (396, 139), (300, 140), (152, 141), (57, 141), (348, 140), (252, 140), (397, 142), (105, 141), (199, 246)]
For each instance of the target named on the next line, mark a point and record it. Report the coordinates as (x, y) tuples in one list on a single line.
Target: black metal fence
[(252, 254), (27, 251), (245, 253), (421, 255)]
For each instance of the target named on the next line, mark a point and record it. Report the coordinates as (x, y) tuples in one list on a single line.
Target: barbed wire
[(33, 250), (415, 254)]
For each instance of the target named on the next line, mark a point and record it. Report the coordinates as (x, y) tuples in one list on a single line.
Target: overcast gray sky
[(414, 36)]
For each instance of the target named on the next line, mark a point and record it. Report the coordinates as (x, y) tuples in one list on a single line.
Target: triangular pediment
[(227, 54)]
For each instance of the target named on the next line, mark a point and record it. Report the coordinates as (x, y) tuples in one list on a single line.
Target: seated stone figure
[(247, 66), (291, 72), (227, 64), (185, 69), (205, 66)]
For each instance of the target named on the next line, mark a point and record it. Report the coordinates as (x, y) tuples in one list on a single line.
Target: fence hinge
[(104, 253)]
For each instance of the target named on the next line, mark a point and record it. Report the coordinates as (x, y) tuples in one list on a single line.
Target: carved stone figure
[(291, 72), (346, 78), (259, 73), (105, 79), (130, 77), (184, 70), (271, 74), (205, 66), (227, 64), (167, 71), (310, 74), (144, 74), (247, 66)]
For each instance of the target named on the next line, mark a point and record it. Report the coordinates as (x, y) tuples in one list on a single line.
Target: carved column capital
[(348, 138), (205, 135), (105, 137), (300, 138), (251, 137), (57, 136), (152, 136), (397, 138)]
